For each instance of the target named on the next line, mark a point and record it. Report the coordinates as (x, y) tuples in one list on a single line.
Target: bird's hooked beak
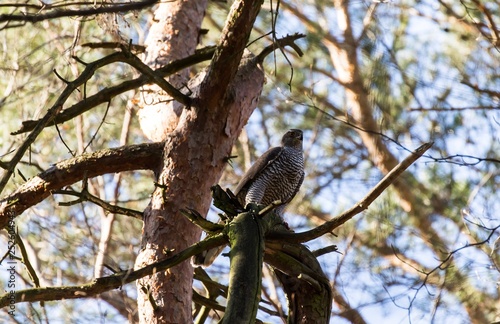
[(297, 134)]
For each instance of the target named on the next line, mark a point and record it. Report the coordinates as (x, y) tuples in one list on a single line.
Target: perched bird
[(276, 175)]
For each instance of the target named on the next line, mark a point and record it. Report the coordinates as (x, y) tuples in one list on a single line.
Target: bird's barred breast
[(279, 181)]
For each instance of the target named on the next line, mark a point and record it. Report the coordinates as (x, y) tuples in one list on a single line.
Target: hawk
[(276, 175)]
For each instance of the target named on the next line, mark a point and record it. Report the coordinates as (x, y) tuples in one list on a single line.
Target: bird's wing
[(262, 162)]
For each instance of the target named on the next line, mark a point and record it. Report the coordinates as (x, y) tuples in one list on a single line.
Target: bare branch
[(444, 263), (125, 158), (155, 77), (114, 281), (461, 159), (195, 218), (55, 12), (85, 195), (358, 208)]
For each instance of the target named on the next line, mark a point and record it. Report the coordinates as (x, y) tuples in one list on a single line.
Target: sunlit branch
[(360, 206), (107, 283), (125, 158)]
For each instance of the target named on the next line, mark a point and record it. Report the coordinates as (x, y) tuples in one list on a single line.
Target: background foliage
[(430, 71)]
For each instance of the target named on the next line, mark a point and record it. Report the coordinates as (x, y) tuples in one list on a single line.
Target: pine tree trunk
[(198, 142), (173, 35), (166, 296)]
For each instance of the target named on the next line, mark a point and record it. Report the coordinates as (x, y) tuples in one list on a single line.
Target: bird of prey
[(276, 175)]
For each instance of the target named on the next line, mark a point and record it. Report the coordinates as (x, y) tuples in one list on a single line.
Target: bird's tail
[(206, 258)]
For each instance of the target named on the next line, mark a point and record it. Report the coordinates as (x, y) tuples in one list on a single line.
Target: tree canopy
[(116, 121)]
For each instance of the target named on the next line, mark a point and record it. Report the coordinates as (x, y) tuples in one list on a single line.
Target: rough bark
[(166, 296), (173, 35), (195, 155)]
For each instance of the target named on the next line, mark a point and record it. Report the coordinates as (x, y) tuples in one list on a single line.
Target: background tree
[(377, 79)]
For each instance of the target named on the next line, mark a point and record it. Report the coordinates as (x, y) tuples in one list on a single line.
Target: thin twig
[(85, 195), (27, 262), (155, 77), (98, 127), (280, 43), (106, 94)]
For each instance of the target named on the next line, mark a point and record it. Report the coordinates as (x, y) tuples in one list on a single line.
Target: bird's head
[(292, 138)]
